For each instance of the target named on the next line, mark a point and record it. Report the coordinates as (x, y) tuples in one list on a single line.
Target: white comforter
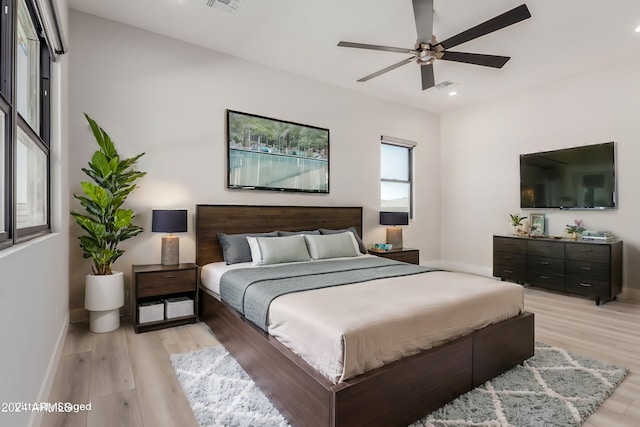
[(344, 331)]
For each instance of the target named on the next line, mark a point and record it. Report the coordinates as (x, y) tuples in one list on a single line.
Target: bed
[(394, 394)]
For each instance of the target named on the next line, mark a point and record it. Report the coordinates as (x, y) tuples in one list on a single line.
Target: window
[(396, 175), (3, 192), (31, 183), (28, 68), (24, 124)]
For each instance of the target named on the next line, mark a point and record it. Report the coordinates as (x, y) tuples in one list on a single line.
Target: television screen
[(270, 154), (572, 178)]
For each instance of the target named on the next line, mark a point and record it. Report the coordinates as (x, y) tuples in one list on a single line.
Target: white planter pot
[(103, 297)]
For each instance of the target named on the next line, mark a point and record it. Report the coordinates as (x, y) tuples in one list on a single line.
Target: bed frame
[(393, 395)]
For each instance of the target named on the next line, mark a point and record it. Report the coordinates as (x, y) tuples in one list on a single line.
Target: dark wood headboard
[(233, 219)]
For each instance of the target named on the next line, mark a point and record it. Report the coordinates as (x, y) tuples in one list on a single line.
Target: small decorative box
[(178, 307), (150, 311)]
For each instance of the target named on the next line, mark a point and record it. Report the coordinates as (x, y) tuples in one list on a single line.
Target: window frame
[(409, 146), (14, 121)]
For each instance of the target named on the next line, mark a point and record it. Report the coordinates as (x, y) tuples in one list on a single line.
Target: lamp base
[(394, 237), (170, 250)]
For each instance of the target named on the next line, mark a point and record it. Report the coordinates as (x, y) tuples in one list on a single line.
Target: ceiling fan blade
[(511, 17), (389, 68), (375, 47), (428, 78), (494, 61), (423, 13)]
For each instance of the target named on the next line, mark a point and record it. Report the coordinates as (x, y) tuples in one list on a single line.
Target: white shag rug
[(553, 388)]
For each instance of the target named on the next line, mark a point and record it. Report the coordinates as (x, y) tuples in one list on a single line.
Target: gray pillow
[(363, 248), (293, 233), (276, 250), (338, 245), (235, 248)]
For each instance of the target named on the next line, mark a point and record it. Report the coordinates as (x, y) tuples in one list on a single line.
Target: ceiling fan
[(428, 49)]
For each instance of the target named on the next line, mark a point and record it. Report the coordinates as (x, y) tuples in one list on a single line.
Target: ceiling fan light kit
[(428, 49)]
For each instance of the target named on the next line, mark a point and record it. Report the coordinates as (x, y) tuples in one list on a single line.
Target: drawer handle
[(585, 268), (586, 250), (508, 271), (586, 285), (168, 276), (508, 257), (544, 263), (544, 277)]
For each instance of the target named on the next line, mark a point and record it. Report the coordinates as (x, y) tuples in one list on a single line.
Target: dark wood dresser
[(588, 268)]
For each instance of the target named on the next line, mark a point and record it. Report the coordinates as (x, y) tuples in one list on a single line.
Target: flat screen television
[(572, 178), (270, 154)]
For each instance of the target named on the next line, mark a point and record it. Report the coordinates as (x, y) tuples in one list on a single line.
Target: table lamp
[(170, 221), (394, 233)]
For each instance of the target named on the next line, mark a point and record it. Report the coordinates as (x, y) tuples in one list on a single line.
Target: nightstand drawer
[(411, 256), (166, 282)]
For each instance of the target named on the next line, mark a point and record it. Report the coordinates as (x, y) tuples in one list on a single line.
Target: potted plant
[(575, 229), (516, 222), (106, 224)]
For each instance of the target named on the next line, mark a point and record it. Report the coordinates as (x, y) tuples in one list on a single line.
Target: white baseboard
[(628, 293), (47, 383), (466, 268), (77, 315)]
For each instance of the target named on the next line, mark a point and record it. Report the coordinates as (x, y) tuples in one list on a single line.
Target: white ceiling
[(562, 38)]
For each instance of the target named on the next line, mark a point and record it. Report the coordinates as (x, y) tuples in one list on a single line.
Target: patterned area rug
[(553, 388)]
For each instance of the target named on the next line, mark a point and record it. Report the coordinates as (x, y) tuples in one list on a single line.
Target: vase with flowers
[(575, 229)]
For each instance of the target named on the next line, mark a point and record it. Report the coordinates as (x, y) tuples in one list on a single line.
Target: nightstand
[(409, 255), (154, 283)]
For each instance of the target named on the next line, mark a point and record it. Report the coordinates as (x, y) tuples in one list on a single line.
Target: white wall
[(168, 99), (34, 286), (480, 161)]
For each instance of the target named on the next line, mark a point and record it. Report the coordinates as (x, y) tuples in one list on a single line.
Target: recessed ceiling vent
[(229, 6)]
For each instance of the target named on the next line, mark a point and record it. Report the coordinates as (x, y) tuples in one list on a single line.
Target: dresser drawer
[(587, 287), (545, 279), (588, 252), (589, 270), (513, 274), (510, 259), (547, 264), (166, 282), (506, 244), (545, 248)]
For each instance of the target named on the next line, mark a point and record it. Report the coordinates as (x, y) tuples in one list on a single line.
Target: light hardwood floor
[(129, 380)]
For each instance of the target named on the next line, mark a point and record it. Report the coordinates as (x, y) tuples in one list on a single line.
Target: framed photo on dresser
[(537, 224)]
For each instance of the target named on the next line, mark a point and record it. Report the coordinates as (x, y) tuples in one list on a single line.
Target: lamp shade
[(394, 218), (169, 221)]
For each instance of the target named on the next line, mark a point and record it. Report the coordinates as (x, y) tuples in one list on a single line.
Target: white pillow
[(276, 250), (332, 245)]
